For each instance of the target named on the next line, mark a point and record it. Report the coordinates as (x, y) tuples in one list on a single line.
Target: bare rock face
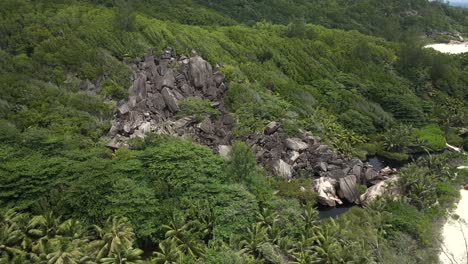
[(162, 82), (158, 87), (326, 194)]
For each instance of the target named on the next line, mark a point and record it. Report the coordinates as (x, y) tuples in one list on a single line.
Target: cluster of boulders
[(337, 177), (161, 83)]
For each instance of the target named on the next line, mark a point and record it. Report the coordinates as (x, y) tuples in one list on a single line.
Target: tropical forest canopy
[(352, 72)]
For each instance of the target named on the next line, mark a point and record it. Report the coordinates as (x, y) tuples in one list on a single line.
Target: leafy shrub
[(432, 135), (198, 107)]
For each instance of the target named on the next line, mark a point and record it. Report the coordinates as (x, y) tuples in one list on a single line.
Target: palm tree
[(130, 256), (114, 239), (182, 234), (10, 237), (168, 253), (64, 251), (256, 238)]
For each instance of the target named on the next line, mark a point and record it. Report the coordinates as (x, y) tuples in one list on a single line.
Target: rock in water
[(388, 186), (325, 188), (348, 189)]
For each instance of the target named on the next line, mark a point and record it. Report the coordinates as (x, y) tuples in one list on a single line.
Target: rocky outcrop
[(159, 85)]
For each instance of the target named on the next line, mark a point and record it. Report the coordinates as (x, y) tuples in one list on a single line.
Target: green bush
[(432, 135), (198, 107)]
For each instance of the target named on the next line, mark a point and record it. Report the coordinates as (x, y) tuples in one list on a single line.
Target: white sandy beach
[(452, 48), (454, 233)]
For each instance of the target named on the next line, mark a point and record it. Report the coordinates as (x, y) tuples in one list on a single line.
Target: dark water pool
[(333, 212)]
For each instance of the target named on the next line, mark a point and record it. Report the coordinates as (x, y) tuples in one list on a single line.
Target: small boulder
[(170, 100), (283, 169), (326, 193), (389, 187), (295, 144), (271, 128), (348, 189), (224, 151)]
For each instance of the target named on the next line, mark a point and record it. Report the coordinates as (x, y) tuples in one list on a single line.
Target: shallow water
[(333, 212)]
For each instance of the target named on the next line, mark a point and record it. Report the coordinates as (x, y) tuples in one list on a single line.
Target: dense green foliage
[(63, 68)]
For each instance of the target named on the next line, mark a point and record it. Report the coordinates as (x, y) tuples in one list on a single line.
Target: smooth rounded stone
[(295, 144), (224, 151), (465, 186), (326, 192), (271, 128), (348, 188), (283, 169), (170, 100)]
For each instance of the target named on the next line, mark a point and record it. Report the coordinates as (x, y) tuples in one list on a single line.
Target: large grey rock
[(283, 169), (348, 189), (295, 144), (170, 100), (157, 101), (271, 128), (200, 72), (371, 174), (139, 87), (326, 193), (386, 187)]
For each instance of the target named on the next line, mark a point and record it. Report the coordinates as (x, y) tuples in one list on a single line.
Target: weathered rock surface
[(326, 194), (162, 82), (386, 187), (348, 189)]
